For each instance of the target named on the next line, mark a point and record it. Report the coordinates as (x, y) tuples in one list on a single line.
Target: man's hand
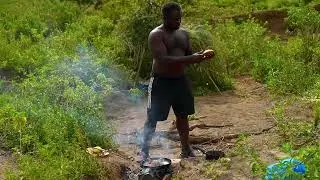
[(208, 54), (199, 56), (204, 55)]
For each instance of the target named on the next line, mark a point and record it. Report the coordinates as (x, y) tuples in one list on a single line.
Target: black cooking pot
[(211, 155), (156, 168), (156, 163)]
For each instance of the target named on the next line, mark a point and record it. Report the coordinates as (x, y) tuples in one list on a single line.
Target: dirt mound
[(273, 20), (119, 166)]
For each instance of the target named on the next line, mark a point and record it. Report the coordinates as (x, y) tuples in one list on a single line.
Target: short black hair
[(169, 7)]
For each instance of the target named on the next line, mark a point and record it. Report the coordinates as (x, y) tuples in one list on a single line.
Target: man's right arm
[(160, 53)]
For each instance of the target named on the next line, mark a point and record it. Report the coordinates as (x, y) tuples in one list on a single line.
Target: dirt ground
[(4, 158), (244, 108)]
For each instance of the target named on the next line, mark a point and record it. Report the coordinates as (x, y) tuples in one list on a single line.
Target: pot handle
[(199, 149)]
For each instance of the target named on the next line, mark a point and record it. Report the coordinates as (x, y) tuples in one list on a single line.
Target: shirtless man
[(171, 51)]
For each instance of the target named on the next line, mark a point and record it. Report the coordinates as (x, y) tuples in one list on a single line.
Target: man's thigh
[(159, 100), (183, 101)]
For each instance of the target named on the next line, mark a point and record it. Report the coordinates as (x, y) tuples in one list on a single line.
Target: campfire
[(156, 168)]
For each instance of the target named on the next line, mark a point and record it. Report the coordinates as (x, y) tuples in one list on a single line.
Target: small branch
[(191, 128), (205, 140), (128, 134), (174, 136), (197, 118), (204, 126), (213, 82), (200, 126)]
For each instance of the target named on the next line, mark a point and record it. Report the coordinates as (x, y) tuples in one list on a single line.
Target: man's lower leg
[(183, 129), (148, 131)]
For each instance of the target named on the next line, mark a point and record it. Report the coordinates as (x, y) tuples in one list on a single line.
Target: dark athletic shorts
[(164, 93)]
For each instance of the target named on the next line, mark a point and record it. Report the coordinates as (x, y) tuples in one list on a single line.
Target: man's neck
[(165, 27)]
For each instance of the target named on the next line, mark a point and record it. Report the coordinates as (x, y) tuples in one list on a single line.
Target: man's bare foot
[(187, 152)]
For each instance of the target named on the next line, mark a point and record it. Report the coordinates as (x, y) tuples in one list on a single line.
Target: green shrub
[(73, 163), (49, 120), (135, 30), (25, 29), (294, 133), (293, 78), (305, 20), (209, 75), (311, 157), (236, 45), (268, 59), (117, 10)]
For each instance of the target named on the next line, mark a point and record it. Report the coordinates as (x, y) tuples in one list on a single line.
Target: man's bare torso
[(177, 44)]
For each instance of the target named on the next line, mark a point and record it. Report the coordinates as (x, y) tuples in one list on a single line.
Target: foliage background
[(61, 58)]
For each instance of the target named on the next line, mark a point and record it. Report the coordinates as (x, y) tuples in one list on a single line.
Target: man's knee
[(150, 126), (181, 117), (182, 123)]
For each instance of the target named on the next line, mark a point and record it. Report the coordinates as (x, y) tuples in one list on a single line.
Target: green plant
[(293, 78), (73, 163), (135, 30), (50, 118), (27, 26), (293, 135), (216, 169), (213, 75), (237, 53), (305, 20), (258, 167)]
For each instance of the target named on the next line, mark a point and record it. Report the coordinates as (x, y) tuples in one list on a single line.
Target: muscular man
[(171, 51)]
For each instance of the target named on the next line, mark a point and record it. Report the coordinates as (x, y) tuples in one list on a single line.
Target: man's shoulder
[(156, 32), (184, 31)]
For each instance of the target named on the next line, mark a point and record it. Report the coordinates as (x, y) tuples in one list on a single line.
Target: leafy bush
[(311, 157), (268, 59), (294, 133), (72, 164), (207, 75), (135, 30), (24, 32), (293, 78), (287, 68), (236, 45), (305, 20), (49, 119)]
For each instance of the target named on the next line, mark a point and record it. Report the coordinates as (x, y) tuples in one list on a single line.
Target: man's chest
[(176, 41)]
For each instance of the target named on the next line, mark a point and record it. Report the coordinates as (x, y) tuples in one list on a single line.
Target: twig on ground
[(201, 126), (205, 126), (213, 82), (205, 140)]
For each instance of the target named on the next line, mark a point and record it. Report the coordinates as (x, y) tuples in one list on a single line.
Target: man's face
[(173, 21)]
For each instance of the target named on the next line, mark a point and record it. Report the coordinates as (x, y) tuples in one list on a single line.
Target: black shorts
[(164, 93)]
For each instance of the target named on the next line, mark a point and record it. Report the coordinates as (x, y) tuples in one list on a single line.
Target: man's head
[(172, 13)]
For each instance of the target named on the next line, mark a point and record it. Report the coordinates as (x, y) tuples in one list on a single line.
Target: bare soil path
[(242, 110)]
